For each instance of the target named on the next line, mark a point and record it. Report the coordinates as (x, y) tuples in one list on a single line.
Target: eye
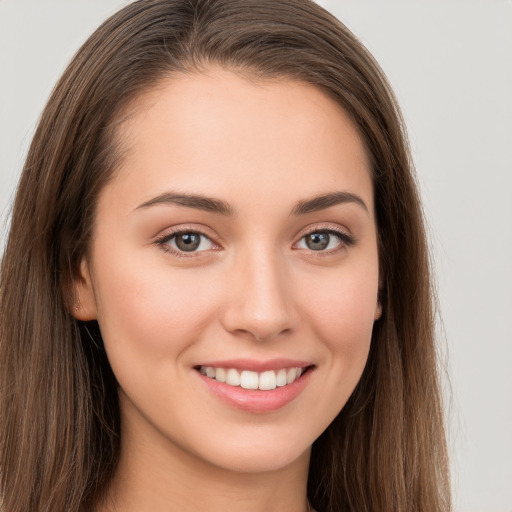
[(186, 242), (324, 240)]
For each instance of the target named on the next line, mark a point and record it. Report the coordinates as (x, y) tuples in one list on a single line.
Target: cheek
[(145, 315), (346, 305), (342, 313)]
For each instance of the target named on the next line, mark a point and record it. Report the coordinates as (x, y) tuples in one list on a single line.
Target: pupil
[(317, 241), (188, 241)]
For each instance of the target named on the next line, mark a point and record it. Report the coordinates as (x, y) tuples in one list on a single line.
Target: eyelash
[(165, 239), (344, 238)]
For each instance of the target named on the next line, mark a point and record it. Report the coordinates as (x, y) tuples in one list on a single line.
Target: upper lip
[(258, 366)]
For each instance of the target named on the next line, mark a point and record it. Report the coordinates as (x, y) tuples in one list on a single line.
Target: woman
[(226, 295)]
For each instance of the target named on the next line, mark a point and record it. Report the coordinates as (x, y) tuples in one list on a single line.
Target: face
[(234, 269)]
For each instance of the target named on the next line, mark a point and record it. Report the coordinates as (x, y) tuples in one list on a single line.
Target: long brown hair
[(59, 417)]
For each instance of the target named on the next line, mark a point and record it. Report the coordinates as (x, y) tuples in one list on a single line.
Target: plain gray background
[(450, 63)]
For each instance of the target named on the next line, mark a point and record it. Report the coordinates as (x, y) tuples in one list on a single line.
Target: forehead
[(221, 133)]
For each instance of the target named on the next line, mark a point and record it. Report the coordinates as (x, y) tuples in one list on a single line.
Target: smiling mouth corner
[(247, 379)]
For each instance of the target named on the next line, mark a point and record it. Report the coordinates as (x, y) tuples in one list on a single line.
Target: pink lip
[(256, 401), (258, 366)]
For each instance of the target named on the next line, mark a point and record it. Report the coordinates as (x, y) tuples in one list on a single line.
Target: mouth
[(256, 387), (248, 379)]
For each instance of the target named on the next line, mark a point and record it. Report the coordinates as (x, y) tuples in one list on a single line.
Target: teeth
[(253, 380), (291, 375), (267, 380), (220, 374), (249, 380), (232, 377), (281, 378)]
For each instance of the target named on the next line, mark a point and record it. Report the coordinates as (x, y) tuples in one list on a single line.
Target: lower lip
[(255, 400)]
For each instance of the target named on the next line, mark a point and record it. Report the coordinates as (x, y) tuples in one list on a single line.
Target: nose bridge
[(260, 300)]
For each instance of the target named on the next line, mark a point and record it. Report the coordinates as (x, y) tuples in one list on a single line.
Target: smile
[(265, 381), (255, 386)]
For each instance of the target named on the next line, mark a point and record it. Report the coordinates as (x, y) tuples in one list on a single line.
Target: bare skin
[(278, 267)]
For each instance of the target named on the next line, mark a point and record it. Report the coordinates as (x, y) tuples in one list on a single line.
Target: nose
[(260, 301)]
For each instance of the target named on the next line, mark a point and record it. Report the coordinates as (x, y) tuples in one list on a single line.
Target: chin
[(248, 462), (257, 454)]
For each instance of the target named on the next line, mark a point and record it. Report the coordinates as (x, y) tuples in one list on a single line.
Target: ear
[(84, 303), (378, 305), (378, 310)]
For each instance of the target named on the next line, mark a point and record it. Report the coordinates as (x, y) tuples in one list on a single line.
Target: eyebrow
[(325, 201), (198, 202), (212, 205)]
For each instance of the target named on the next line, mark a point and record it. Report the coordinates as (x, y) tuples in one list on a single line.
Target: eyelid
[(162, 239), (346, 238)]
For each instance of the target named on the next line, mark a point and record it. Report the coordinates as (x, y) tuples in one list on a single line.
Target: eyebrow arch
[(210, 204), (326, 201), (199, 202)]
